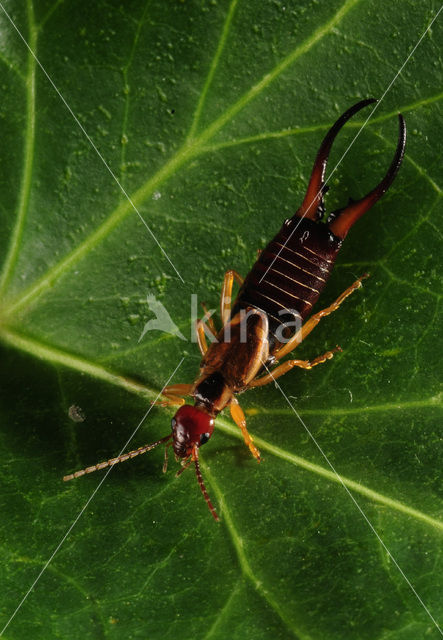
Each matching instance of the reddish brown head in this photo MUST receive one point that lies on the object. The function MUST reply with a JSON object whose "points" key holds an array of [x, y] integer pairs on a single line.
{"points": [[190, 427]]}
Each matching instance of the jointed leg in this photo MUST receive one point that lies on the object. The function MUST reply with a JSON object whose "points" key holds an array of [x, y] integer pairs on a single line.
{"points": [[200, 331], [225, 299], [225, 310], [208, 315], [315, 319], [239, 418], [201, 337], [200, 328], [172, 395], [288, 365], [180, 388]]}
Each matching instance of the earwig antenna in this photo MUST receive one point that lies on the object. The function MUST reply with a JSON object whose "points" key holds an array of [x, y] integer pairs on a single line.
{"points": [[202, 486], [113, 461], [165, 463]]}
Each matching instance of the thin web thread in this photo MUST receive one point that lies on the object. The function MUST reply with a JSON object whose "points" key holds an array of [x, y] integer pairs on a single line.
{"points": [[354, 139], [48, 562], [91, 142]]}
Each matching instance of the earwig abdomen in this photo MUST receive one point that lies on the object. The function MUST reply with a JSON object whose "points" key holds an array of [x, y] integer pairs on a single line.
{"points": [[289, 274]]}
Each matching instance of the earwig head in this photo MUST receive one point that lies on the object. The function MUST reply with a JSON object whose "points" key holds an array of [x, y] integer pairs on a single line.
{"points": [[190, 427], [341, 221]]}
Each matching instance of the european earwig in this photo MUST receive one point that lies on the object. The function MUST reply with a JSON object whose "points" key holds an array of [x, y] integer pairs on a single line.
{"points": [[287, 278]]}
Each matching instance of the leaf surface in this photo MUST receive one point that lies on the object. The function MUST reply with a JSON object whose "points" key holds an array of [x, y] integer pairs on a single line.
{"points": [[205, 117]]}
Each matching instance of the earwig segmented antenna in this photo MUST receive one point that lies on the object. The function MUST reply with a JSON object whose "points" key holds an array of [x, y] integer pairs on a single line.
{"points": [[110, 463], [202, 486], [148, 447]]}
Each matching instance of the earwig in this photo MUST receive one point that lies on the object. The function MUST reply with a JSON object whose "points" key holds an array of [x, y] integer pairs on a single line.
{"points": [[287, 278]]}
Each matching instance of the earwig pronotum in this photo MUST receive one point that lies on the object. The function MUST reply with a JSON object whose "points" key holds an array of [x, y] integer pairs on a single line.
{"points": [[288, 277]]}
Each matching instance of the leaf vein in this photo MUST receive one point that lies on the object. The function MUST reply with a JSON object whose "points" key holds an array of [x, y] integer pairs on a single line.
{"points": [[25, 189], [212, 68]]}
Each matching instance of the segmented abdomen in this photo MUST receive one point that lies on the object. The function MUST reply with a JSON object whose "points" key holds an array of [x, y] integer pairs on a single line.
{"points": [[290, 272]]}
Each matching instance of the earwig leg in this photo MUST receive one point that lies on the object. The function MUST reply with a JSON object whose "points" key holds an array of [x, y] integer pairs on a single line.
{"points": [[201, 337], [171, 395], [208, 315], [175, 389], [225, 298], [315, 319], [170, 401], [290, 364], [200, 328], [239, 418], [165, 462]]}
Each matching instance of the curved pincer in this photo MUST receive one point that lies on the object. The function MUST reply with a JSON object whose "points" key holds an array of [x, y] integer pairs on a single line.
{"points": [[339, 222]]}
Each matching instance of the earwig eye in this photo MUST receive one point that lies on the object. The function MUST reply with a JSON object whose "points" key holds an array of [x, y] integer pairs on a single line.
{"points": [[204, 438]]}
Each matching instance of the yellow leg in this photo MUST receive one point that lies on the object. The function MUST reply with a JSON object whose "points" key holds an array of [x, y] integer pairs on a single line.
{"points": [[201, 336], [225, 299], [170, 401], [211, 324], [180, 388], [290, 364], [171, 395], [315, 319], [239, 418], [200, 329]]}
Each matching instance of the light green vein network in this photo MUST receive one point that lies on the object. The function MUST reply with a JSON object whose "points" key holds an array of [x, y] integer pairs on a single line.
{"points": [[188, 151]]}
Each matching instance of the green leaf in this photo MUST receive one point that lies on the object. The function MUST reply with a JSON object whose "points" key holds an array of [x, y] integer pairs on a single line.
{"points": [[209, 115]]}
